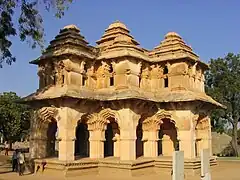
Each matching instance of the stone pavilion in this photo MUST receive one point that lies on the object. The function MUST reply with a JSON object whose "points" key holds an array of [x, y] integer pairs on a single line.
{"points": [[117, 107]]}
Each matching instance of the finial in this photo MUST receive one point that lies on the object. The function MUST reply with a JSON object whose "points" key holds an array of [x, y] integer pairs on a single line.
{"points": [[117, 24], [71, 26], [169, 34]]}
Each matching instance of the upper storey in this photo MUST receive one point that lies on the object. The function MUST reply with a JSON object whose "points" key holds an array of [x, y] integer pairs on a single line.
{"points": [[118, 68]]}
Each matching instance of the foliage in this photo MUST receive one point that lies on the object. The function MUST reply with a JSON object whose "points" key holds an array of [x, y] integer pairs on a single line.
{"points": [[29, 23], [223, 84], [14, 117]]}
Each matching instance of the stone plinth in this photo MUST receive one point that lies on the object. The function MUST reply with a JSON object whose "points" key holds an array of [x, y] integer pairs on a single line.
{"points": [[55, 167], [113, 166]]}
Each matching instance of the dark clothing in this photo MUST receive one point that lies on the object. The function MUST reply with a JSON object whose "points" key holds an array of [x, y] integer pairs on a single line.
{"points": [[14, 165], [6, 151]]}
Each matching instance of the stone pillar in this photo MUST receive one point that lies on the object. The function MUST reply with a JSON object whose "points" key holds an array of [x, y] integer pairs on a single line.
{"points": [[116, 145], [96, 141], [151, 144], [187, 143], [66, 133], [116, 148], [206, 140], [128, 123], [38, 140], [38, 148], [128, 144], [66, 144], [167, 146]]}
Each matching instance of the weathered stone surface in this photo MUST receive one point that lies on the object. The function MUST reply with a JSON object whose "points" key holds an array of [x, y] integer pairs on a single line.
{"points": [[119, 99]]}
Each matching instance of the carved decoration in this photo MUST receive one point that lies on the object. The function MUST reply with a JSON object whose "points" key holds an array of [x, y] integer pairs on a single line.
{"points": [[203, 123], [103, 70], [192, 70], [42, 76], [151, 123], [145, 73], [82, 67], [46, 114], [179, 69], [156, 71], [60, 72], [41, 71], [108, 113], [95, 123], [199, 74], [90, 71], [154, 122], [98, 121]]}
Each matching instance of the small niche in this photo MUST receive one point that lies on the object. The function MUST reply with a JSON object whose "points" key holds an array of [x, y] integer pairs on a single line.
{"points": [[165, 70], [54, 79], [45, 81], [84, 76], [63, 79], [84, 79], [140, 79], [111, 76], [165, 82]]}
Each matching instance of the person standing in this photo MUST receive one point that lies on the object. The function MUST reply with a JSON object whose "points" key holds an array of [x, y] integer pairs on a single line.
{"points": [[21, 162], [15, 161], [6, 148]]}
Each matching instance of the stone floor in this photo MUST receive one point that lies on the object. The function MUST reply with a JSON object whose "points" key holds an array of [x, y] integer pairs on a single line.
{"points": [[226, 169]]}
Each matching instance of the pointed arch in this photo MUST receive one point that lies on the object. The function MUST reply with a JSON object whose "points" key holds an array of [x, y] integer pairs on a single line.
{"points": [[156, 120], [108, 113], [46, 114]]}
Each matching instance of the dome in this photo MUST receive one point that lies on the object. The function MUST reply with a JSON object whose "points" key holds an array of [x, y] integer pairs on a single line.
{"points": [[117, 24], [71, 26], [170, 34]]}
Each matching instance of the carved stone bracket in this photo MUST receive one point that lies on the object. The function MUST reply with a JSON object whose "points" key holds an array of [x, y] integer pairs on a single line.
{"points": [[98, 121], [151, 123], [201, 122], [46, 114], [154, 122]]}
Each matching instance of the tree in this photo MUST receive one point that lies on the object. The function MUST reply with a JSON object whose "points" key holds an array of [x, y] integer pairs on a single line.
{"points": [[14, 117], [29, 23], [223, 84]]}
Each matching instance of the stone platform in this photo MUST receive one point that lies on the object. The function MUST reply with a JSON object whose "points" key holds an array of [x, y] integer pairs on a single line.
{"points": [[112, 166]]}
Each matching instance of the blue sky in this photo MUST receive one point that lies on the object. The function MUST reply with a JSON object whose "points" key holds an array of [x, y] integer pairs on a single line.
{"points": [[211, 28]]}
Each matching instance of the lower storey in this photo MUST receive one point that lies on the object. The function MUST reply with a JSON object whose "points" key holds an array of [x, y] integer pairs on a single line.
{"points": [[112, 166]]}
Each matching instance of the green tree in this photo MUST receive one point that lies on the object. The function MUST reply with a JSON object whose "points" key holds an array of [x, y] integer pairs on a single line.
{"points": [[14, 117], [29, 25], [223, 84]]}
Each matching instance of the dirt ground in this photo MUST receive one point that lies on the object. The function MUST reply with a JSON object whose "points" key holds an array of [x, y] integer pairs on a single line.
{"points": [[226, 169]]}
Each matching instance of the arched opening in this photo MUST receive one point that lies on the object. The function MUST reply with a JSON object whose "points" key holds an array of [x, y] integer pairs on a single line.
{"points": [[160, 142], [82, 140], [168, 141], [51, 138], [108, 144], [139, 142], [111, 135]]}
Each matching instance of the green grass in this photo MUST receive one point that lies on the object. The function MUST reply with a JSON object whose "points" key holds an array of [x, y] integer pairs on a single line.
{"points": [[229, 158]]}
